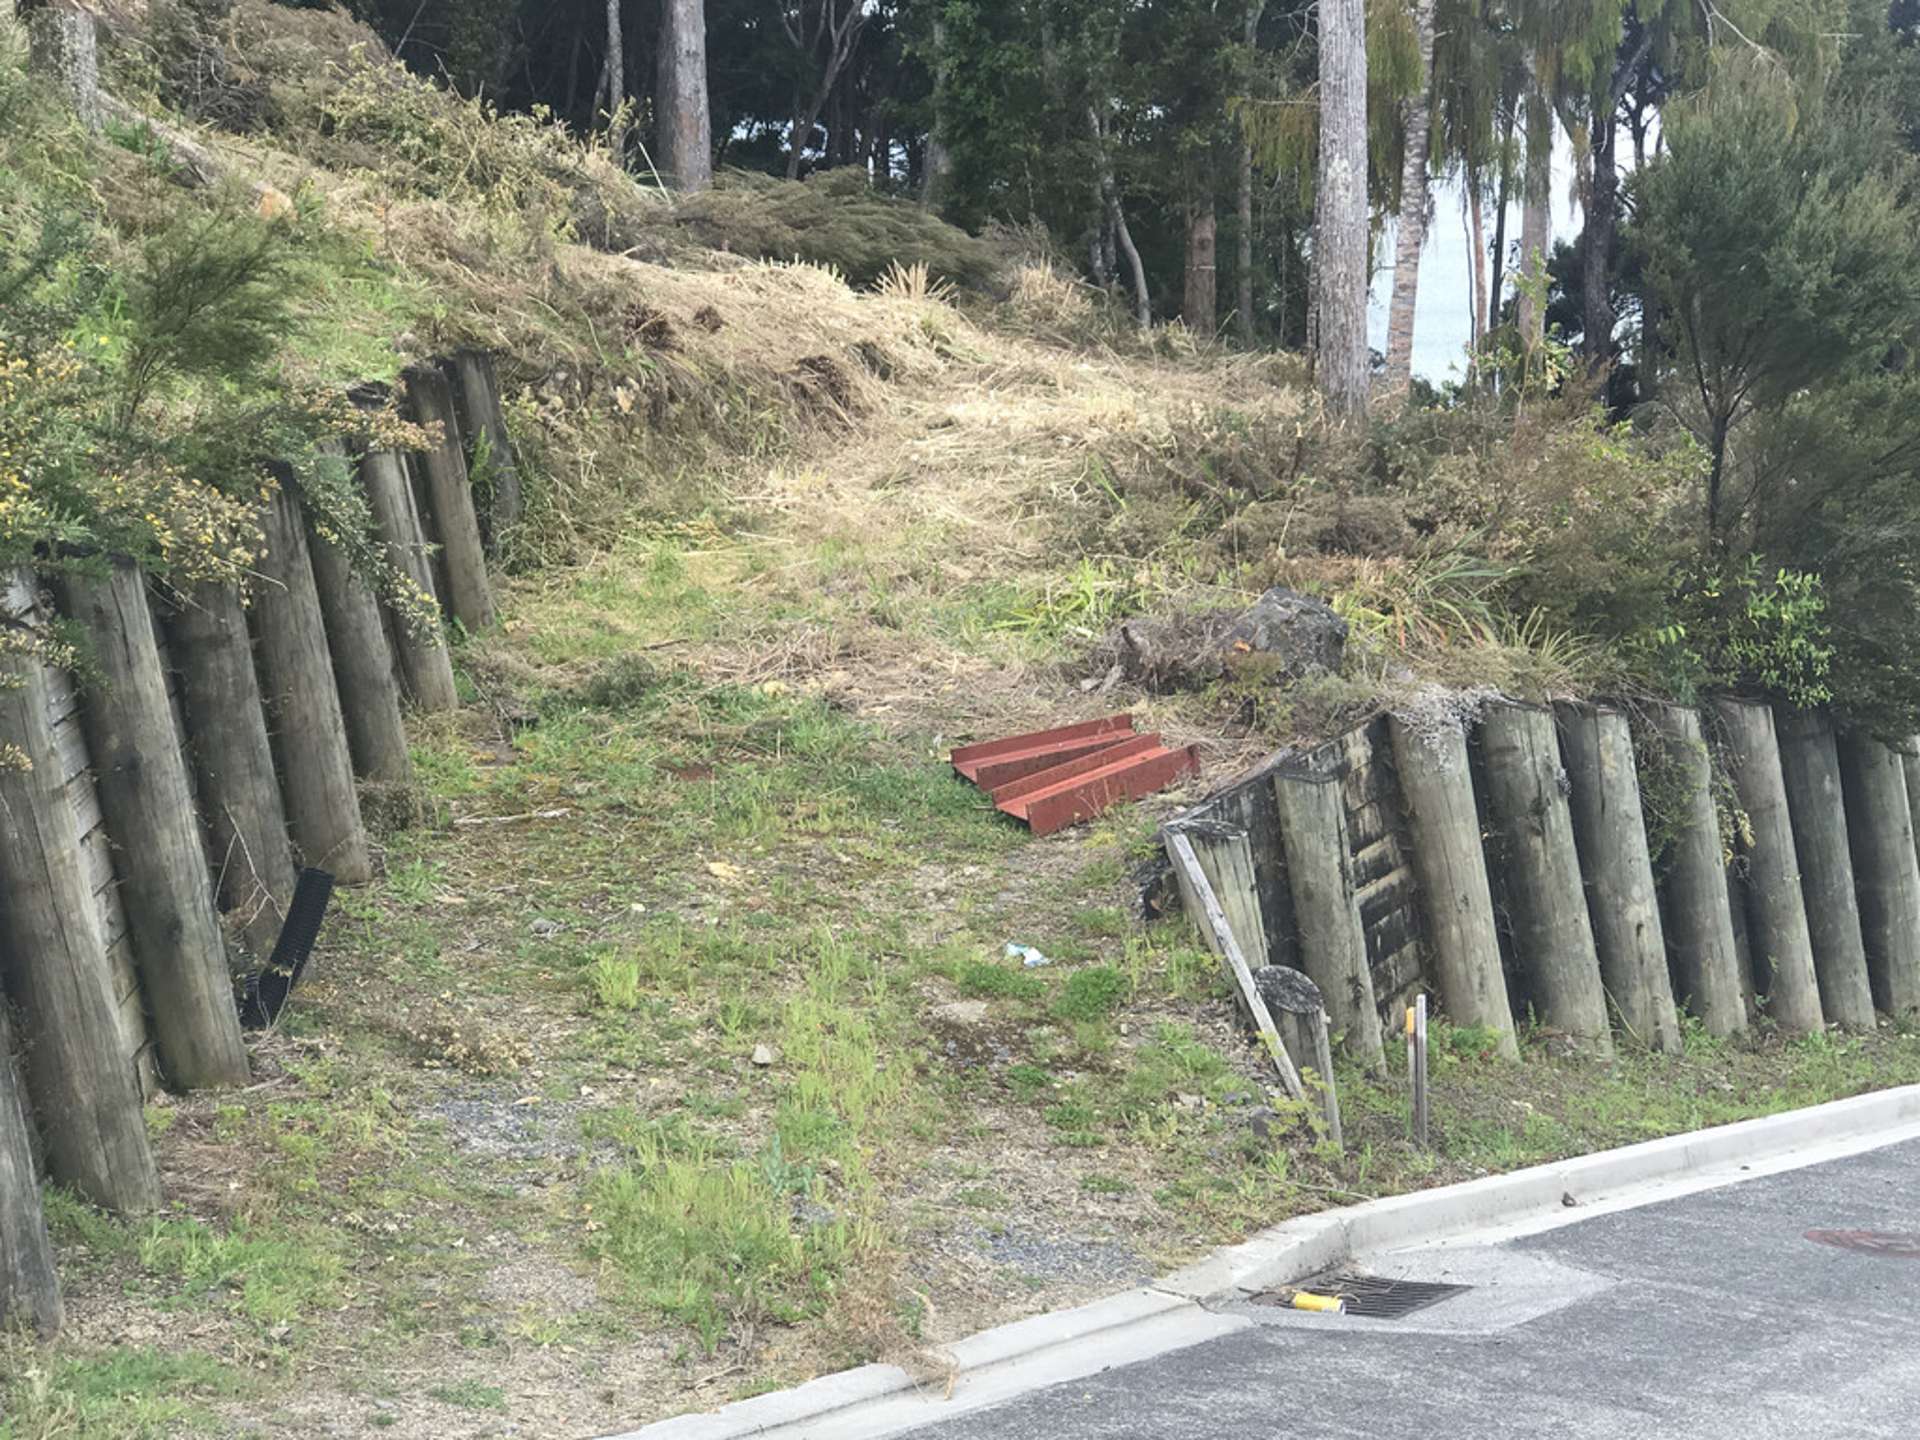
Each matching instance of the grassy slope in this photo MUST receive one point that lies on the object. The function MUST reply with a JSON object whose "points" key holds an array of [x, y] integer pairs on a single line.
{"points": [[516, 1157]]}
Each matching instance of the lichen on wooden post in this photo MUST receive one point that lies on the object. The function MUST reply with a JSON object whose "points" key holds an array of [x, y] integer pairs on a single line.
{"points": [[54, 964], [420, 645], [1880, 824], [1449, 862], [1777, 912], [1540, 870], [1816, 804], [161, 863], [1697, 919], [450, 492], [1623, 907], [297, 682], [1333, 946]]}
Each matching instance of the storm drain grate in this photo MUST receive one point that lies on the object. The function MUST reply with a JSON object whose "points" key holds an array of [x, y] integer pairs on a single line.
{"points": [[1371, 1296]]}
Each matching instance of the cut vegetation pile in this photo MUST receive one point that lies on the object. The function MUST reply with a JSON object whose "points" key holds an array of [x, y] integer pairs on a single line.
{"points": [[681, 1056]]}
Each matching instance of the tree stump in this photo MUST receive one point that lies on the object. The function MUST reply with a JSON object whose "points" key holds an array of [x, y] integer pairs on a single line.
{"points": [[296, 672], [1300, 1014], [1782, 948], [65, 48], [1333, 945], [1880, 824], [1816, 804], [1698, 919], [1449, 862], [1610, 832], [1553, 938], [145, 795]]}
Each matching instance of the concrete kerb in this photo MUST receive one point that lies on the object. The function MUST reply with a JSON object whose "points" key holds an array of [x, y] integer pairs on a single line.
{"points": [[1286, 1253]]}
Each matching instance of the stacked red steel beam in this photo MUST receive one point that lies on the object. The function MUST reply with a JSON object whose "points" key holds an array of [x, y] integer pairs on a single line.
{"points": [[1052, 778]]}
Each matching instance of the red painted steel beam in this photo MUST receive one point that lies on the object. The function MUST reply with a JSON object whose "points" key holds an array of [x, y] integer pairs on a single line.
{"points": [[1085, 796], [968, 758], [997, 770], [1056, 775]]}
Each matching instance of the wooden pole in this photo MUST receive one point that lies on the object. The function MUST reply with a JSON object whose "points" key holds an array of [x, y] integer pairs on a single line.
{"points": [[232, 761], [83, 1086], [420, 646], [1816, 804], [450, 493], [1333, 946], [1553, 939], [1622, 905], [1698, 920], [1777, 914], [362, 664], [1449, 862], [296, 674], [29, 1287], [1204, 908], [145, 795], [1300, 1015], [490, 461], [1880, 824]]}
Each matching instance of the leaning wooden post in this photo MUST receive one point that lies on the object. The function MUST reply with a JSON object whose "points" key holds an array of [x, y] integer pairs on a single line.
{"points": [[296, 672], [1333, 945], [470, 596], [29, 1286], [246, 821], [1610, 831], [1203, 907], [362, 662], [148, 803], [483, 423], [1698, 919], [419, 645], [1553, 939], [1777, 917], [1449, 862], [83, 1087], [1816, 803], [1880, 823]]}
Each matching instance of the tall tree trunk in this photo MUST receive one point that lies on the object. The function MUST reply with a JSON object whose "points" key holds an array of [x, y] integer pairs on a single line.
{"points": [[686, 134], [616, 85], [1501, 201], [1110, 197], [1243, 240], [1201, 304], [1476, 262], [1536, 221], [1597, 316], [939, 163], [65, 49], [1340, 206], [1411, 233]]}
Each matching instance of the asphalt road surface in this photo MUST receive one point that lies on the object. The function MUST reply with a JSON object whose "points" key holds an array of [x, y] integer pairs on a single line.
{"points": [[1707, 1317]]}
